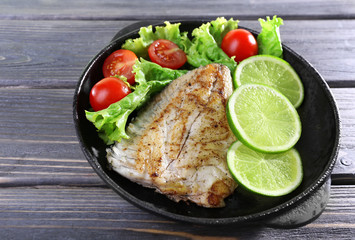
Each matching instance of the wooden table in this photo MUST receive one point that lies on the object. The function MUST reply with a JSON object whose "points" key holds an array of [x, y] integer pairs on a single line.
{"points": [[47, 188]]}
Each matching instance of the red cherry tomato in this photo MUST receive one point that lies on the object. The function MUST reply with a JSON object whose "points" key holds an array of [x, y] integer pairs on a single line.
{"points": [[239, 43], [120, 62], [107, 91], [167, 54]]}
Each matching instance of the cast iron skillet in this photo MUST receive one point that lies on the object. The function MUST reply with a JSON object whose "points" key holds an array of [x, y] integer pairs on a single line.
{"points": [[318, 147]]}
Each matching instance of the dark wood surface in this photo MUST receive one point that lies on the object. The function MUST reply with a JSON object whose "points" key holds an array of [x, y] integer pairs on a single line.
{"points": [[47, 188], [174, 9]]}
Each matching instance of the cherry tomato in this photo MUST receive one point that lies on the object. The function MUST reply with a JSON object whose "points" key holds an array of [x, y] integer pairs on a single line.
{"points": [[107, 91], [120, 62], [167, 54], [239, 43]]}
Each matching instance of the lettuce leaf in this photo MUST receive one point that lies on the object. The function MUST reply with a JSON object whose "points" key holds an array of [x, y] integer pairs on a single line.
{"points": [[205, 47], [111, 122], [147, 71], [269, 40], [147, 36], [202, 50], [220, 27]]}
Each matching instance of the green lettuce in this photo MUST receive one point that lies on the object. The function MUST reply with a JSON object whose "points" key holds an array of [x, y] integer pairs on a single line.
{"points": [[205, 47], [147, 36], [147, 71], [111, 122], [202, 50], [269, 40], [220, 27]]}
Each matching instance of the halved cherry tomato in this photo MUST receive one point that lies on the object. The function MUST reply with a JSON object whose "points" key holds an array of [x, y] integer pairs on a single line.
{"points": [[107, 91], [167, 54], [239, 43], [120, 62]]}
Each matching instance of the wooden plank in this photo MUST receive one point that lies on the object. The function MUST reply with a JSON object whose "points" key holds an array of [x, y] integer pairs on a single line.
{"points": [[156, 9], [50, 54], [53, 54], [37, 138], [344, 171], [98, 213]]}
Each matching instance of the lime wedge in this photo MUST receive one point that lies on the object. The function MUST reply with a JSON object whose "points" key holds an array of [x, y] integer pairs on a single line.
{"points": [[272, 71], [265, 173], [263, 118]]}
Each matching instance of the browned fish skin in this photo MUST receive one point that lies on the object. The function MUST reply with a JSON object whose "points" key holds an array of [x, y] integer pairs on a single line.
{"points": [[179, 143]]}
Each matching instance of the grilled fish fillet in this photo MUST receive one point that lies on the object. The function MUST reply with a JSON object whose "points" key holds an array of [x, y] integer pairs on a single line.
{"points": [[178, 143]]}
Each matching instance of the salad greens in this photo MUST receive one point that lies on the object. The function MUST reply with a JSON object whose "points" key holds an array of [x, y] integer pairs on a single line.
{"points": [[269, 40], [151, 78], [169, 32], [220, 27], [147, 71], [203, 49]]}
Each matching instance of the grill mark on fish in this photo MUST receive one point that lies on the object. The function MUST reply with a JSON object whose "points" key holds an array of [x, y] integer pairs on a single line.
{"points": [[189, 130]]}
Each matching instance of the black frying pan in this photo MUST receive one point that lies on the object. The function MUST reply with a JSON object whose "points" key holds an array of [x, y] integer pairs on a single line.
{"points": [[318, 147]]}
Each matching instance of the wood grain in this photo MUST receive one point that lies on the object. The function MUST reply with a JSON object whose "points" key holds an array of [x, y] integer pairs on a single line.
{"points": [[53, 54], [37, 138], [169, 9], [98, 213], [47, 188], [38, 144]]}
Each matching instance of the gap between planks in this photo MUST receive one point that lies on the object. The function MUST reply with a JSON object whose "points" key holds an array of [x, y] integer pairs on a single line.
{"points": [[207, 17]]}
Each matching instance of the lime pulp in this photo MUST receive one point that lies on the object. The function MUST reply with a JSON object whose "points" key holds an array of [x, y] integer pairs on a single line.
{"points": [[264, 173]]}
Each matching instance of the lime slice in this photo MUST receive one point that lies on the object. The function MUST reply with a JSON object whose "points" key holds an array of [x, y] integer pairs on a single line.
{"points": [[263, 118], [265, 173], [272, 71]]}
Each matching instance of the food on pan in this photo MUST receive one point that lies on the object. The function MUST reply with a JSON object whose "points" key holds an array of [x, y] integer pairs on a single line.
{"points": [[170, 131]]}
